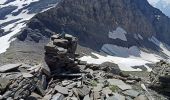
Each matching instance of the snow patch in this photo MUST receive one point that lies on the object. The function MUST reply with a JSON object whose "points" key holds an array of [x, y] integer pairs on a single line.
{"points": [[119, 33], [140, 36], [125, 64], [161, 45], [5, 40]]}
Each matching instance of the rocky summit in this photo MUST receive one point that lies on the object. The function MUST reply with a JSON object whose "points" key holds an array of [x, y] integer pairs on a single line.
{"points": [[83, 50], [68, 78]]}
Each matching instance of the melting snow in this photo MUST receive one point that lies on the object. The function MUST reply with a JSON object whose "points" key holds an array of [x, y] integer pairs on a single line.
{"points": [[126, 58], [161, 45], [5, 40], [119, 33], [125, 64]]}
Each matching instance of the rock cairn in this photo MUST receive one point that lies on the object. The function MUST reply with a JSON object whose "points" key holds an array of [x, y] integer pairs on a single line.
{"points": [[60, 52], [160, 78]]}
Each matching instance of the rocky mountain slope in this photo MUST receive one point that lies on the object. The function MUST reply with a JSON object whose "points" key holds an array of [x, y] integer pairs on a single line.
{"points": [[15, 13], [93, 20]]}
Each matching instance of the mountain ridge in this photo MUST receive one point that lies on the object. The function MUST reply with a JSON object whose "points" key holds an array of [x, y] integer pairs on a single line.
{"points": [[91, 21]]}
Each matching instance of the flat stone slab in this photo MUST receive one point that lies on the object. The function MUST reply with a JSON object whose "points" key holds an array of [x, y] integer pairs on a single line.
{"points": [[27, 75], [57, 96], [119, 83], [61, 89], [131, 93], [83, 91], [9, 67], [116, 97]]}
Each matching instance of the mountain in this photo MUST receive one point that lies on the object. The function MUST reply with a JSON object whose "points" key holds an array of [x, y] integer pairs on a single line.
{"points": [[129, 32], [15, 13], [120, 22]]}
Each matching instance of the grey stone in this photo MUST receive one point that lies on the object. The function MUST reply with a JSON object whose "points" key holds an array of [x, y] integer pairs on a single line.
{"points": [[83, 91], [44, 82], [57, 96], [9, 67], [116, 97], [68, 37], [61, 89], [119, 97], [10, 98], [4, 82], [47, 97], [141, 97], [60, 42], [87, 97], [106, 91], [65, 82], [96, 95], [129, 98], [74, 98], [98, 87], [56, 36], [119, 83], [6, 94], [27, 75], [131, 93]]}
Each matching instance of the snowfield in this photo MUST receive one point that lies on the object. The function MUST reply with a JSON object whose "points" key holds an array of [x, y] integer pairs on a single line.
{"points": [[125, 64]]}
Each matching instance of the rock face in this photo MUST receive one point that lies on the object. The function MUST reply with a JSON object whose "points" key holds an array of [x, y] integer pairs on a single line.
{"points": [[92, 20]]}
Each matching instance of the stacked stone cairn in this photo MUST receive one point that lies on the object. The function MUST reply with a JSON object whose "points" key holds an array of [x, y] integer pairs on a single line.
{"points": [[160, 78], [60, 52]]}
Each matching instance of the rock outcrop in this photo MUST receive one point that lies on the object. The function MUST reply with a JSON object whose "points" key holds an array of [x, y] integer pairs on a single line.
{"points": [[70, 78]]}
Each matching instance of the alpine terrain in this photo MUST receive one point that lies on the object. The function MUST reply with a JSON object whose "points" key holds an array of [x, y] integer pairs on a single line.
{"points": [[84, 49]]}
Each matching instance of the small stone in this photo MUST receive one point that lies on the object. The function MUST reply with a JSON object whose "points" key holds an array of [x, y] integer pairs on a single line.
{"points": [[35, 95], [131, 93], [73, 98], [61, 89], [106, 91], [10, 98], [119, 83], [87, 97], [27, 75], [83, 91], [119, 97], [47, 97], [56, 36], [70, 94], [44, 82], [4, 83], [141, 97], [129, 98], [116, 97], [96, 95], [131, 81], [98, 87], [65, 82], [68, 37], [57, 96], [9, 67]]}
